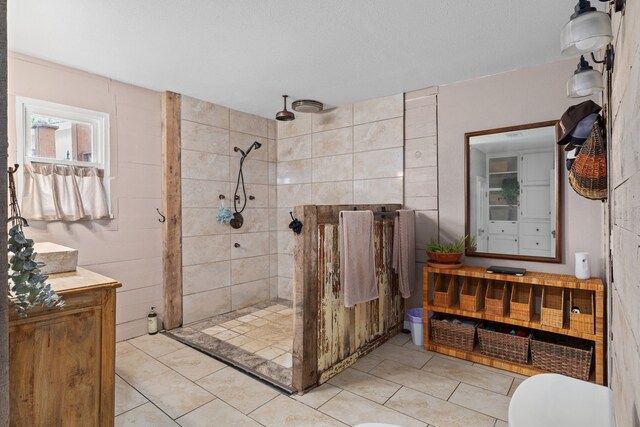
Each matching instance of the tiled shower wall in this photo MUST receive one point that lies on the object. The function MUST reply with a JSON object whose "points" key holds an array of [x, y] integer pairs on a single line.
{"points": [[217, 276], [421, 173], [350, 154]]}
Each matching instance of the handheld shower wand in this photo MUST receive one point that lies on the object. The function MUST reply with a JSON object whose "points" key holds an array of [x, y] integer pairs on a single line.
{"points": [[255, 145], [237, 220]]}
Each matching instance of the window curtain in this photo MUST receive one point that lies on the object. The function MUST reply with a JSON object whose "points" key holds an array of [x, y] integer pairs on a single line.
{"points": [[63, 193]]}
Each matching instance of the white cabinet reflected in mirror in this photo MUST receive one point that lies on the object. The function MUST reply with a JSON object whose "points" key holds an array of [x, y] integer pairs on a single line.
{"points": [[512, 191]]}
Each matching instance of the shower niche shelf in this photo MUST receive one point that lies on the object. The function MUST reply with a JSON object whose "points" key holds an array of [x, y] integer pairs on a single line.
{"points": [[590, 289]]}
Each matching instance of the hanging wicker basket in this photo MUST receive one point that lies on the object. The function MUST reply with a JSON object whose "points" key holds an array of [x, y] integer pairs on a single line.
{"points": [[588, 174]]}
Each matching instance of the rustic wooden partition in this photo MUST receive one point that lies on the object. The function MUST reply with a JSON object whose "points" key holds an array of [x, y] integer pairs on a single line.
{"points": [[328, 337]]}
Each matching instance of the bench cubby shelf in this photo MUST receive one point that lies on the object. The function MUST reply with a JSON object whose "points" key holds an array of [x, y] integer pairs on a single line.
{"points": [[538, 280]]}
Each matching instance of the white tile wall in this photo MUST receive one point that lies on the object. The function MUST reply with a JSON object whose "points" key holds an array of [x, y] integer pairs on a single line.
{"points": [[421, 173], [351, 154], [217, 276]]}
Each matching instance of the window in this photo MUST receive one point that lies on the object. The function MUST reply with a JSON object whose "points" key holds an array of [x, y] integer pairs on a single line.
{"points": [[56, 140], [60, 134]]}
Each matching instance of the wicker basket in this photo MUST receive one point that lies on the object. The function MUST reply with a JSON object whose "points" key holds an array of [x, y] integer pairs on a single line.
{"points": [[472, 294], [521, 304], [504, 346], [552, 308], [567, 357], [585, 320], [445, 293], [588, 174], [495, 301], [452, 335]]}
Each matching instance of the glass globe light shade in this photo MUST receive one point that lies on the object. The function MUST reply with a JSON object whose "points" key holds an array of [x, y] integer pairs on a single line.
{"points": [[584, 83], [587, 32]]}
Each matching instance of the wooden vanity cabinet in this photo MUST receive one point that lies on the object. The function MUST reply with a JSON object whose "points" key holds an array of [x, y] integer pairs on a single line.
{"points": [[62, 362]]}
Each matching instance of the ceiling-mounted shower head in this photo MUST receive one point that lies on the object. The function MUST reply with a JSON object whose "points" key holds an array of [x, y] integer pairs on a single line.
{"points": [[307, 106], [285, 115]]}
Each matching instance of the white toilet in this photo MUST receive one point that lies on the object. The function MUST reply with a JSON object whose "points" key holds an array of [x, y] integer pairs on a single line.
{"points": [[556, 400]]}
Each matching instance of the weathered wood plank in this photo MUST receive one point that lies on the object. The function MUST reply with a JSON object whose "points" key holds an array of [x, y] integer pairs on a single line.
{"points": [[305, 300], [344, 332], [326, 333], [171, 206]]}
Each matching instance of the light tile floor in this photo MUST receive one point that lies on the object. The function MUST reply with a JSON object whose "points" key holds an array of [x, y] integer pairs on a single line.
{"points": [[161, 382]]}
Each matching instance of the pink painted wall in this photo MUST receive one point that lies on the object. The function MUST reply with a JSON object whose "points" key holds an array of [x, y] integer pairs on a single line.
{"points": [[127, 248], [528, 95]]}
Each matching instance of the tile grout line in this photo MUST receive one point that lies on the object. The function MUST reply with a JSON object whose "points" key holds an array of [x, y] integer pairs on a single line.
{"points": [[172, 369], [333, 397], [259, 406], [375, 403], [139, 392], [455, 404], [407, 386], [453, 392], [411, 388], [206, 403]]}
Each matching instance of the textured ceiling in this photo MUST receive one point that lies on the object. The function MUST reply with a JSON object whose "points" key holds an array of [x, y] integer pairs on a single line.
{"points": [[246, 53]]}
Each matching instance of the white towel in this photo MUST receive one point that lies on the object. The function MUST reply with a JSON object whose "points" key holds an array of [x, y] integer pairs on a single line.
{"points": [[404, 250], [357, 257]]}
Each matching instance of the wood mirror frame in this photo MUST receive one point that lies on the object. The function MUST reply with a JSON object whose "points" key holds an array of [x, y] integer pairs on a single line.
{"points": [[558, 196]]}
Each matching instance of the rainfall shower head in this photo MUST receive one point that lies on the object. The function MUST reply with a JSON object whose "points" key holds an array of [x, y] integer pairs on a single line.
{"points": [[255, 145], [285, 115]]}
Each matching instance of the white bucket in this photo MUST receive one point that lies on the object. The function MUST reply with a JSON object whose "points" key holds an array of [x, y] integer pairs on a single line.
{"points": [[417, 327]]}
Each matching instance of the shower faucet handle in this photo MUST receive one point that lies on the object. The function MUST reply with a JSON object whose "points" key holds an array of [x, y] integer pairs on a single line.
{"points": [[252, 197], [236, 245]]}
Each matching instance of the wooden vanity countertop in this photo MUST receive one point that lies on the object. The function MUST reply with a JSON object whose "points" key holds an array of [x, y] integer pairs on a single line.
{"points": [[80, 280]]}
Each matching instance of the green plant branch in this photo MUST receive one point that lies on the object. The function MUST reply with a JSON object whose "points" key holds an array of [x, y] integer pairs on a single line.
{"points": [[451, 248], [29, 283]]}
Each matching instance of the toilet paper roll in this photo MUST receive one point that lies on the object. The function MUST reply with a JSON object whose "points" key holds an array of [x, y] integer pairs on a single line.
{"points": [[582, 265]]}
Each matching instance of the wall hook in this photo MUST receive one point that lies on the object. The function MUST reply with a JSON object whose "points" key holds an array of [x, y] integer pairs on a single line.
{"points": [[221, 197], [295, 225], [163, 219]]}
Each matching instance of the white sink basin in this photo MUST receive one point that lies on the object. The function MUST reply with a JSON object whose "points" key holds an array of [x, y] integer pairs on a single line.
{"points": [[59, 259]]}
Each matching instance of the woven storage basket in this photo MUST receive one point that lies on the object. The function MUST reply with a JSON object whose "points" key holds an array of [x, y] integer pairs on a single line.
{"points": [[495, 301], [445, 290], [472, 294], [588, 174], [504, 346], [585, 320], [521, 304], [552, 308], [566, 356], [459, 336]]}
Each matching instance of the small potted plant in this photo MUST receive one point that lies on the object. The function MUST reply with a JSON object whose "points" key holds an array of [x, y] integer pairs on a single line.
{"points": [[448, 254]]}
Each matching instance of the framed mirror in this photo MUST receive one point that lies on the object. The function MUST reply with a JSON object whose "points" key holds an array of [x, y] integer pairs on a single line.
{"points": [[512, 192]]}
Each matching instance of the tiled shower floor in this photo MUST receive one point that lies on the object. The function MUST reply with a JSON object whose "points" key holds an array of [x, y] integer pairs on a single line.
{"points": [[258, 339]]}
